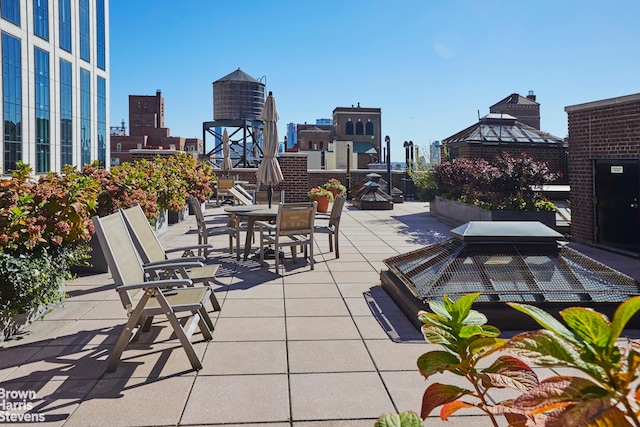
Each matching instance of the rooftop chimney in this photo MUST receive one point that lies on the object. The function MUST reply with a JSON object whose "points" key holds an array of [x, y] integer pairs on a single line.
{"points": [[531, 96]]}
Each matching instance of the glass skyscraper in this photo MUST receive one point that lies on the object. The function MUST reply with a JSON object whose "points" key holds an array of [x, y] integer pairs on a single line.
{"points": [[59, 116]]}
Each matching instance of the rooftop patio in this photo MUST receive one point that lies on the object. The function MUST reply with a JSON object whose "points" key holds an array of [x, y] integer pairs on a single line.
{"points": [[322, 347]]}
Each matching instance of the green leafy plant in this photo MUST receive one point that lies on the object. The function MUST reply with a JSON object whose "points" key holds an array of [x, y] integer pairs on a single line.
{"points": [[403, 419], [468, 341], [425, 182], [607, 393], [319, 192]]}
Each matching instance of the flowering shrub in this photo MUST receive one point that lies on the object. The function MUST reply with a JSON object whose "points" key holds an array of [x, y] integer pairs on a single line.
{"points": [[336, 186], [163, 183], [319, 192], [38, 216], [45, 225], [507, 183]]}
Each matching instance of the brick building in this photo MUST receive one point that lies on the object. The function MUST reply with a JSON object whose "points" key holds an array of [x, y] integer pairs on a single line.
{"points": [[147, 132], [525, 109], [358, 125], [495, 133], [604, 170]]}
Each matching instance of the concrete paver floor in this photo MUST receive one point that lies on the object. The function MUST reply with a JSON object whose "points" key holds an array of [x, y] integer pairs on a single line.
{"points": [[301, 349]]}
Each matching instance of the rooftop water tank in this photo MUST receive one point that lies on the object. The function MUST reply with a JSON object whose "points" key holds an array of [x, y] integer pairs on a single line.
{"points": [[237, 96]]}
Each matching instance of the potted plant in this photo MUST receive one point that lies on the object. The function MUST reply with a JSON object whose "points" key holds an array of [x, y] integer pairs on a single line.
{"points": [[335, 187], [322, 196], [45, 225]]}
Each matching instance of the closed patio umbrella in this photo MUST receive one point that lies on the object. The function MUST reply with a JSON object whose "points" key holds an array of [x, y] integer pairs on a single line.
{"points": [[226, 154], [269, 172]]}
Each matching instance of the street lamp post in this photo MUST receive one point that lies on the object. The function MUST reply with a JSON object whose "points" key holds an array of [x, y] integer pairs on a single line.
{"points": [[348, 171], [388, 160], [406, 155], [411, 150]]}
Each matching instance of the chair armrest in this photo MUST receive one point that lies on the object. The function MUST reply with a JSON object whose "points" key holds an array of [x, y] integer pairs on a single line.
{"points": [[186, 262], [186, 248], [263, 224], [172, 265], [160, 284]]}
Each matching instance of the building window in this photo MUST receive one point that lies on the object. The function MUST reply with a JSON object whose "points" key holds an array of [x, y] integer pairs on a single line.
{"points": [[11, 100], [149, 123], [43, 110], [369, 128], [321, 145], [310, 145], [64, 22], [348, 128], [85, 37], [11, 10], [359, 128], [101, 35], [136, 122], [66, 113], [41, 18], [119, 147], [85, 116], [102, 121]]}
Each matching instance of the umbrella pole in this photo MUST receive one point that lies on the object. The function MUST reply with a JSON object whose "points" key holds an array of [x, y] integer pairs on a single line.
{"points": [[269, 195]]}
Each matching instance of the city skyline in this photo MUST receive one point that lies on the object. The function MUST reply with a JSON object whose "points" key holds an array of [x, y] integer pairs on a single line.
{"points": [[432, 67]]}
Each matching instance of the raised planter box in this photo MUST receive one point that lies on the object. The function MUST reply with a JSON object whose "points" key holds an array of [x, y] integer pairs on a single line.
{"points": [[456, 213], [162, 222], [175, 217]]}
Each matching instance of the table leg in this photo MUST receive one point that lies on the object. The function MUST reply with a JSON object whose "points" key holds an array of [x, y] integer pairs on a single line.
{"points": [[247, 243]]}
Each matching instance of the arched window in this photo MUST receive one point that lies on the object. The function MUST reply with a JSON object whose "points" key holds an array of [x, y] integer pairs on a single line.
{"points": [[369, 128], [359, 128], [321, 145], [348, 128], [310, 145]]}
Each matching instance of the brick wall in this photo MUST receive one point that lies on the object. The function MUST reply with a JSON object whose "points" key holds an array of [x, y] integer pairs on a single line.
{"points": [[607, 129], [298, 180]]}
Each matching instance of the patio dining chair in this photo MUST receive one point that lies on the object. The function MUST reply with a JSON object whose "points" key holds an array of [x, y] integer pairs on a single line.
{"points": [[143, 298], [293, 227], [153, 254], [222, 189], [333, 227], [206, 229], [262, 198]]}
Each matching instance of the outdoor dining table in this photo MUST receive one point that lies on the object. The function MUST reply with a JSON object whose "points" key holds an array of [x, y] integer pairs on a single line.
{"points": [[253, 213]]}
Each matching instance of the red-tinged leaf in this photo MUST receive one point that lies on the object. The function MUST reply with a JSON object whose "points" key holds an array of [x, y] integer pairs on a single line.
{"points": [[588, 324], [589, 413], [449, 409], [510, 372], [478, 351], [517, 420], [547, 349], [557, 390], [623, 314], [439, 394], [436, 362], [637, 395]]}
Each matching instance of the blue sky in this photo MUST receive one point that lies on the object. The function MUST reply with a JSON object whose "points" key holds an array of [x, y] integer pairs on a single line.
{"points": [[430, 65]]}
